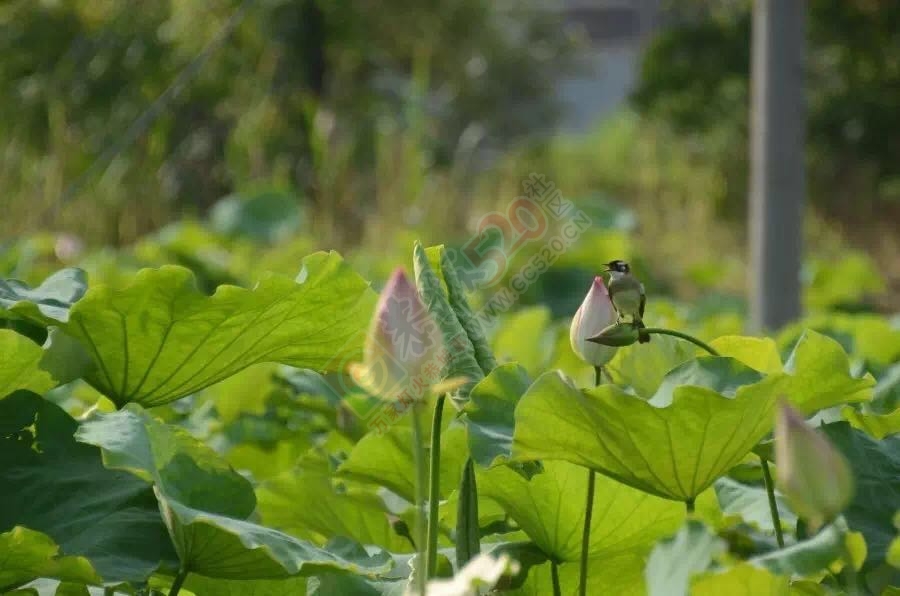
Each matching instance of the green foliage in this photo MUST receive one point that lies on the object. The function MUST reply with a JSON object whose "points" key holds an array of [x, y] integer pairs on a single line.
{"points": [[26, 555], [63, 490], [695, 78], [160, 339], [127, 495]]}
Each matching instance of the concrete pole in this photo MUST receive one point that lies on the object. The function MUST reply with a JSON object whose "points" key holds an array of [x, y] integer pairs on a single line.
{"points": [[777, 168]]}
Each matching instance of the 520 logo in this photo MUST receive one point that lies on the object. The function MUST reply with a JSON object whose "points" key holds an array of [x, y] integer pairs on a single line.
{"points": [[481, 263]]}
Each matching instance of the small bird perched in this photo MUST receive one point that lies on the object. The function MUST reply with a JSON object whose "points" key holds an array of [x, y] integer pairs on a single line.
{"points": [[627, 294]]}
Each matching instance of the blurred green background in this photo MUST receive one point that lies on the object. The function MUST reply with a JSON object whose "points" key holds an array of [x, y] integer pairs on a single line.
{"points": [[236, 137]]}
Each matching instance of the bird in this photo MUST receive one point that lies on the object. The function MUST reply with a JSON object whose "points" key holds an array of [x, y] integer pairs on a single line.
{"points": [[627, 294]]}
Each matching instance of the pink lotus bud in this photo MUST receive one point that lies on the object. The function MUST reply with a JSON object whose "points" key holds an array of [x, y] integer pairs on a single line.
{"points": [[594, 315], [812, 474], [403, 352]]}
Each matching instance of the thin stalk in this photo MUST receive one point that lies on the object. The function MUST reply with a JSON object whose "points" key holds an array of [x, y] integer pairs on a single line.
{"points": [[773, 505], [689, 506], [588, 512], [434, 487], [554, 575], [684, 336], [586, 536], [421, 478], [179, 581]]}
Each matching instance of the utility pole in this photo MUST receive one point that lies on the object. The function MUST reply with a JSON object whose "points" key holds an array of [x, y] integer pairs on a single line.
{"points": [[777, 168]]}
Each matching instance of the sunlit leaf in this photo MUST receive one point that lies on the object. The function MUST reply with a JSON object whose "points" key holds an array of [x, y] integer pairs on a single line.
{"points": [[303, 502], [26, 555], [759, 353], [620, 575], [525, 337], [740, 580], [625, 519], [675, 450], [26, 365], [159, 338], [387, 459], [820, 375], [643, 366]]}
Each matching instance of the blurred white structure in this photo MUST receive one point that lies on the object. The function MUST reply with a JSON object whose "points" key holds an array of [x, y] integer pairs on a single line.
{"points": [[615, 32]]}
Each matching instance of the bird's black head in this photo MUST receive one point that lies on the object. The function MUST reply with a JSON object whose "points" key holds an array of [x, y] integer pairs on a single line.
{"points": [[618, 265]]}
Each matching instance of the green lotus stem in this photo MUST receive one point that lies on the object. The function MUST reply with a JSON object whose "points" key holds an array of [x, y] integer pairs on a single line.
{"points": [[419, 457], [554, 575], [689, 506], [434, 487], [773, 505], [179, 581], [588, 511], [684, 336]]}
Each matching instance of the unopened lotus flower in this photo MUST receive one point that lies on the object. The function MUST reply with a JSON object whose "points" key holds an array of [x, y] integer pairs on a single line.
{"points": [[594, 315], [812, 473], [403, 349]]}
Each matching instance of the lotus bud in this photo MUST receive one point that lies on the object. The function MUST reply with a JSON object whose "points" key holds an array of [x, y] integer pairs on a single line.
{"points": [[403, 352], [618, 335], [812, 473], [594, 315]]}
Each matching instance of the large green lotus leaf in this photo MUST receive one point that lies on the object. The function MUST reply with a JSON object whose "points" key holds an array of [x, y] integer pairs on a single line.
{"points": [[876, 470], [741, 580], [624, 519], [692, 550], [675, 451], [46, 304], [526, 337], [183, 467], [160, 339], [387, 459], [621, 575], [643, 366], [820, 375], [223, 547], [60, 487], [462, 361], [26, 555], [26, 365], [303, 502], [491, 413]]}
